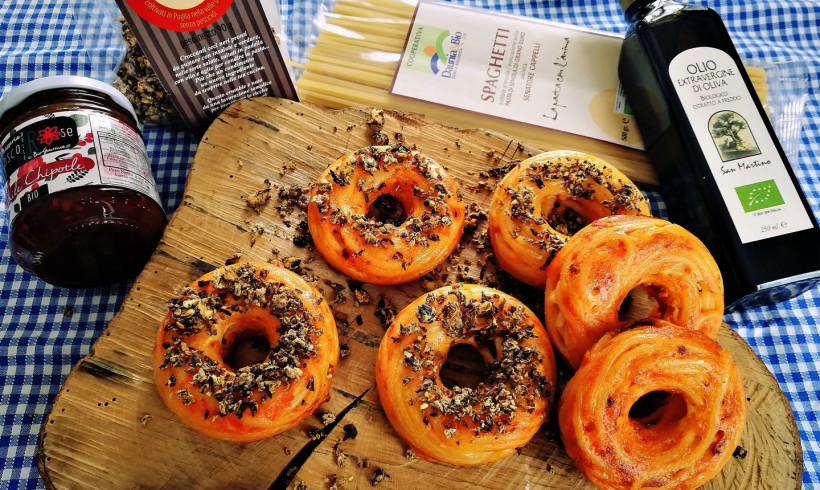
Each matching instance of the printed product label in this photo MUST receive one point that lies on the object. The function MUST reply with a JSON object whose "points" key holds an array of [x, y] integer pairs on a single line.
{"points": [[209, 54], [753, 181], [58, 151], [180, 15], [541, 73]]}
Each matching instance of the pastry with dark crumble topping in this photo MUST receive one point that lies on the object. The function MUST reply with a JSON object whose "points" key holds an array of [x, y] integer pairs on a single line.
{"points": [[463, 425], [246, 352], [545, 199], [385, 214]]}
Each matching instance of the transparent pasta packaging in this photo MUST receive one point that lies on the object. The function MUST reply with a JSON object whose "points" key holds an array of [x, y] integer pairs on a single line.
{"points": [[357, 47]]}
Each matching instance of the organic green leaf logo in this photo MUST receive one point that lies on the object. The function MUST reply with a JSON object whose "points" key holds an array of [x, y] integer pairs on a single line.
{"points": [[433, 50], [762, 195]]}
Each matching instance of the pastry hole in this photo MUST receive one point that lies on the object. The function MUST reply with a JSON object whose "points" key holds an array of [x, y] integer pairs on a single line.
{"points": [[564, 219], [387, 209], [246, 347], [658, 408], [464, 367], [641, 304]]}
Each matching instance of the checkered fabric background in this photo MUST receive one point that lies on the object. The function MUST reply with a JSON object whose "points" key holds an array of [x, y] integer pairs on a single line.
{"points": [[44, 330]]}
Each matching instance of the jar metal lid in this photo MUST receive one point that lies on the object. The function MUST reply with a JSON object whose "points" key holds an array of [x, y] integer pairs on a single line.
{"points": [[18, 94]]}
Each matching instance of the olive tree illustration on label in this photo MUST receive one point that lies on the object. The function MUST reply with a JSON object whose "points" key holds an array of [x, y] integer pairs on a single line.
{"points": [[732, 136]]}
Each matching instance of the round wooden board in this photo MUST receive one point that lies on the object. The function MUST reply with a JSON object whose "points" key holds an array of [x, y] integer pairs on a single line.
{"points": [[109, 429]]}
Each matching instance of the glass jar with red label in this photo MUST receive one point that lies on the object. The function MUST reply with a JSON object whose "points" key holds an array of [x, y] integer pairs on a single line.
{"points": [[82, 203]]}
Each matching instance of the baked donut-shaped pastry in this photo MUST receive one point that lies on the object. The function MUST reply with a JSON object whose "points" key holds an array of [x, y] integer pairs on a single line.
{"points": [[656, 406], [357, 237], [466, 426], [545, 199], [209, 329], [595, 279]]}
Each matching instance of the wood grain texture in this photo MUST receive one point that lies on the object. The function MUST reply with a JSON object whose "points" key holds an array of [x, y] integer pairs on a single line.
{"points": [[109, 429]]}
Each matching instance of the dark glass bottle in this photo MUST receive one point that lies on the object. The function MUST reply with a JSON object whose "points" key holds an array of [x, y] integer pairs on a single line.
{"points": [[723, 173]]}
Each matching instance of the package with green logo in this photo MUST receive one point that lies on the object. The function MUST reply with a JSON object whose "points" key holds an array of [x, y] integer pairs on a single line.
{"points": [[549, 84], [542, 73], [552, 85]]}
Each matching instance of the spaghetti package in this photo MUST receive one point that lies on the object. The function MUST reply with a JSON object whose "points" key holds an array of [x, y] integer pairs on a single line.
{"points": [[552, 85]]}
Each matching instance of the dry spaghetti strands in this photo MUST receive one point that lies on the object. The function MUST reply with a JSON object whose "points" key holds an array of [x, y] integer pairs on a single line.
{"points": [[653, 407]]}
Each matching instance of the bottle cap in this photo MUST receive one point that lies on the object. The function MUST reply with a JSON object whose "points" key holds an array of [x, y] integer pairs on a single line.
{"points": [[18, 94]]}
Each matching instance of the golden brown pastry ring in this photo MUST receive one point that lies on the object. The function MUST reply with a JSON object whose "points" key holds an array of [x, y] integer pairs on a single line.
{"points": [[214, 314], [591, 277], [546, 198], [369, 250], [466, 426], [681, 440]]}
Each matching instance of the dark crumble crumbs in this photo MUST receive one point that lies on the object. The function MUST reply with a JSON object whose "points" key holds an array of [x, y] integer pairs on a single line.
{"points": [[339, 454], [350, 431], [379, 476], [235, 290], [233, 259], [340, 294], [292, 199], [137, 80], [303, 238], [291, 263], [376, 117], [740, 453], [360, 297], [500, 171], [410, 455], [315, 434], [256, 232], [287, 168], [385, 312], [379, 138], [327, 418], [300, 485], [474, 215], [344, 350], [259, 199]]}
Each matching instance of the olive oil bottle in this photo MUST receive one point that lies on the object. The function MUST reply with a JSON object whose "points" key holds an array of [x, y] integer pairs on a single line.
{"points": [[723, 173]]}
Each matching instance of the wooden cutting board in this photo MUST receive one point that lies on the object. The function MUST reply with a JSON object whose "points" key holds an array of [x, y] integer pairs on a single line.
{"points": [[109, 429]]}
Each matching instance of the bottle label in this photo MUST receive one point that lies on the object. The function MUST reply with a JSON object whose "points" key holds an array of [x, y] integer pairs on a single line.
{"points": [[759, 193], [67, 149]]}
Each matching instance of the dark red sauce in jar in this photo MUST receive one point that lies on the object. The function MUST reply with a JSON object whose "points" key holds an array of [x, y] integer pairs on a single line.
{"points": [[82, 202]]}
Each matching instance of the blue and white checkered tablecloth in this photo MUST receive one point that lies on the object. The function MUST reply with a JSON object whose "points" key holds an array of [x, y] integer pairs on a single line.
{"points": [[44, 330]]}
